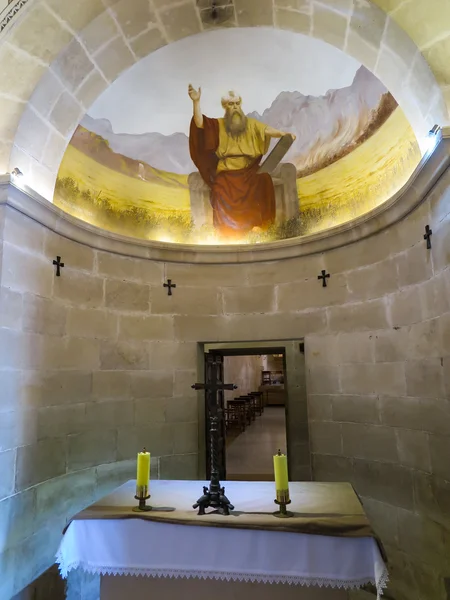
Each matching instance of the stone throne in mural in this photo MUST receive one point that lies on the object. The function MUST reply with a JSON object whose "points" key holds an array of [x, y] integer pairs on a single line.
{"points": [[284, 177]]}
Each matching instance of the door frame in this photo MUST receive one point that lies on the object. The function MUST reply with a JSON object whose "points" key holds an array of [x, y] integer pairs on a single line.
{"points": [[297, 431]]}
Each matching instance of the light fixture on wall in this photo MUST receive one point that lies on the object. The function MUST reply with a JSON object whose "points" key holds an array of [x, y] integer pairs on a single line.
{"points": [[217, 12], [19, 179], [432, 139], [434, 130]]}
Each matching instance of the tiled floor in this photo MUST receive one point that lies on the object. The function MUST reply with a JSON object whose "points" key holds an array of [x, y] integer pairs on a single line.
{"points": [[250, 455]]}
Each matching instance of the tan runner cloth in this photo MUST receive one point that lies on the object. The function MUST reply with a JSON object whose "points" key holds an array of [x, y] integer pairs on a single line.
{"points": [[319, 508]]}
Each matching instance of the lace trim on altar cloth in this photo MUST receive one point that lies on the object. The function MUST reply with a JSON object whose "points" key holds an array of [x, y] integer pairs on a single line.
{"points": [[65, 568]]}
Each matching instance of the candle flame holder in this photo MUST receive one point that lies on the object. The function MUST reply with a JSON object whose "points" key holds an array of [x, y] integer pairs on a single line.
{"points": [[282, 500], [142, 496]]}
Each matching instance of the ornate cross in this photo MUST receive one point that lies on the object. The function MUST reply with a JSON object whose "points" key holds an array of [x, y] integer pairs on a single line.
{"points": [[214, 387], [169, 285], [427, 236], [214, 497], [324, 277], [58, 264]]}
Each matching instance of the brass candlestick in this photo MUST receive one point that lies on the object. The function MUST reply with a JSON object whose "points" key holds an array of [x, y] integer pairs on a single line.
{"points": [[142, 495], [282, 500]]}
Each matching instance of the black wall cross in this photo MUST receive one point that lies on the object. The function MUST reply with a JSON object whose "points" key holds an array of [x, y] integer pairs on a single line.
{"points": [[58, 264], [169, 285], [427, 236], [324, 278]]}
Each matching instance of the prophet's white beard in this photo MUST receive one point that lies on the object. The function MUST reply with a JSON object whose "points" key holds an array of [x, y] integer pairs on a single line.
{"points": [[235, 123]]}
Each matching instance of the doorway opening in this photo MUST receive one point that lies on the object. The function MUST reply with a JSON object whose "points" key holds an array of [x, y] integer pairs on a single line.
{"points": [[271, 375], [255, 414]]}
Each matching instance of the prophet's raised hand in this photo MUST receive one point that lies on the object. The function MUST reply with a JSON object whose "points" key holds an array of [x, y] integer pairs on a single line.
{"points": [[194, 94]]}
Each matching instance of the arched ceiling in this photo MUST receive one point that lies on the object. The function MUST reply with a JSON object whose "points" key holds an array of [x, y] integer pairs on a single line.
{"points": [[59, 55], [428, 25]]}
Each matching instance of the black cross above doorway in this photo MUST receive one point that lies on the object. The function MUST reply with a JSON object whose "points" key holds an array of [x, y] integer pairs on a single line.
{"points": [[427, 236], [324, 277], [58, 264], [169, 285]]}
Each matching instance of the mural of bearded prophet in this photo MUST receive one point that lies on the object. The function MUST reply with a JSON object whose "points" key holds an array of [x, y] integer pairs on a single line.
{"points": [[227, 152]]}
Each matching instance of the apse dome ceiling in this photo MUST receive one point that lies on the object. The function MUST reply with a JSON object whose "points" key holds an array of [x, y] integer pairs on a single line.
{"points": [[279, 136]]}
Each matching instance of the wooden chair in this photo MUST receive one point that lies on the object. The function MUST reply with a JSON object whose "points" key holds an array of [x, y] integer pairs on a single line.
{"points": [[234, 418], [253, 405], [240, 405], [250, 407], [259, 402]]}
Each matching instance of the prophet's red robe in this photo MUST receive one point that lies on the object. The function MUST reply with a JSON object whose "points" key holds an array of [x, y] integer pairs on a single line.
{"points": [[240, 197]]}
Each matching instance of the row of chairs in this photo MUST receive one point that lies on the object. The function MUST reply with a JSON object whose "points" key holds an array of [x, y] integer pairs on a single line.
{"points": [[243, 410]]}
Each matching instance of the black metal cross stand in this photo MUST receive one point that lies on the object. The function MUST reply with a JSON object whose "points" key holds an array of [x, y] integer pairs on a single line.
{"points": [[324, 277], [58, 264], [214, 497], [169, 285], [427, 236]]}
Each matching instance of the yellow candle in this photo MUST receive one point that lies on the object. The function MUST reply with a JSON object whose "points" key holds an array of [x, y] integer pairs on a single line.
{"points": [[143, 468], [281, 471]]}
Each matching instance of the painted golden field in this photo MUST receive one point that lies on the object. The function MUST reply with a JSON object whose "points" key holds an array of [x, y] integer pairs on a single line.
{"points": [[124, 191], [128, 205], [362, 180]]}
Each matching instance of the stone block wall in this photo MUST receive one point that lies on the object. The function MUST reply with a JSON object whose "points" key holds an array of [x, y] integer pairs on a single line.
{"points": [[379, 394], [99, 362], [2, 222], [74, 407]]}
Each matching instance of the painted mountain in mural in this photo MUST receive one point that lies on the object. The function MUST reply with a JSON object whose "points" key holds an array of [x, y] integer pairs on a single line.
{"points": [[327, 127], [97, 147], [164, 152]]}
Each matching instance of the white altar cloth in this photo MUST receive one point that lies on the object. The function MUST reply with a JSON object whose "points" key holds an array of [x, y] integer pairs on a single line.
{"points": [[149, 548]]}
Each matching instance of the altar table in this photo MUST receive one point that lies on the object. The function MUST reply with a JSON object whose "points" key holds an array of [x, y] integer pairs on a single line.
{"points": [[170, 553]]}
